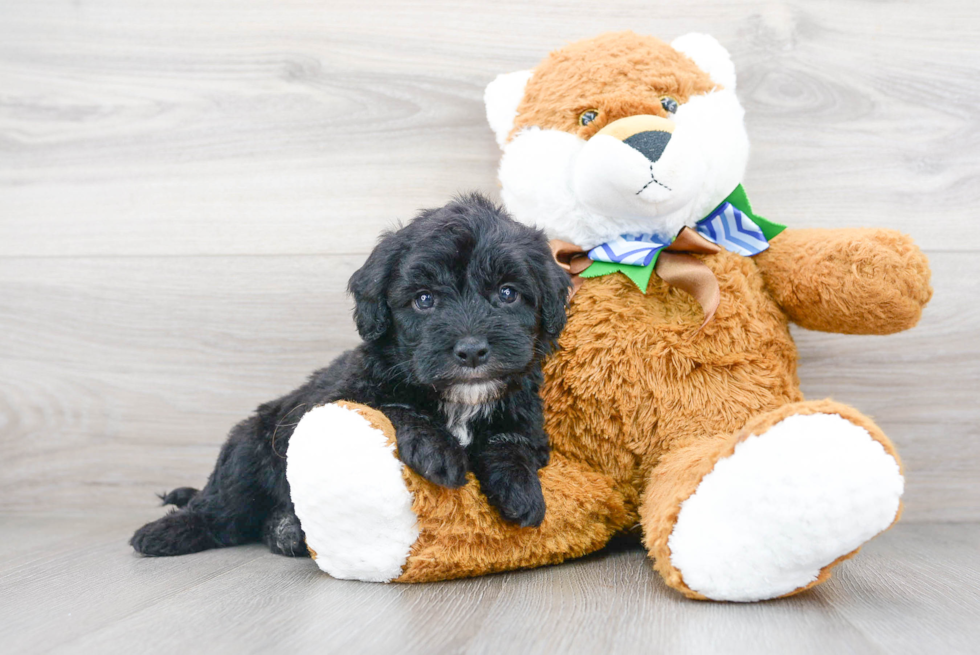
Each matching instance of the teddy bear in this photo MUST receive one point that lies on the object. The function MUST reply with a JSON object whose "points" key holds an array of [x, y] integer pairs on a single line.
{"points": [[672, 404]]}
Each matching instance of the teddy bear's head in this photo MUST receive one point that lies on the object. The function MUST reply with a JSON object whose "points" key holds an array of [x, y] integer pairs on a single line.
{"points": [[619, 134]]}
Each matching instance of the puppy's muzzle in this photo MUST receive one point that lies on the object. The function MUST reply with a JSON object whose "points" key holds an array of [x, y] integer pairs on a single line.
{"points": [[471, 352], [647, 134]]}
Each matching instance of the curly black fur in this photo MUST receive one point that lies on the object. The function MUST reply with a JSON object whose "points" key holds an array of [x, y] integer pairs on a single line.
{"points": [[459, 380]]}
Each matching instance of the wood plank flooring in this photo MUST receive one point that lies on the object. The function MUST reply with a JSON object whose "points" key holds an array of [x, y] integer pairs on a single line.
{"points": [[915, 589]]}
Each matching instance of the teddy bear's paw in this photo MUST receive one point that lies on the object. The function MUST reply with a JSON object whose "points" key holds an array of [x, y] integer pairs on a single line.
{"points": [[783, 508], [347, 488]]}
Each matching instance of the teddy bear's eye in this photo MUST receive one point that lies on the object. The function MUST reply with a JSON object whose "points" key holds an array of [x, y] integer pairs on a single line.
{"points": [[588, 116], [669, 105]]}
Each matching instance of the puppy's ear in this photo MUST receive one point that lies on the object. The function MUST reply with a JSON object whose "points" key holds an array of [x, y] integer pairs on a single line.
{"points": [[369, 286], [555, 286]]}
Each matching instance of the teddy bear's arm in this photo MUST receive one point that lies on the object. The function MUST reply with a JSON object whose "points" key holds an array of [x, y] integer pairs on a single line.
{"points": [[849, 280]]}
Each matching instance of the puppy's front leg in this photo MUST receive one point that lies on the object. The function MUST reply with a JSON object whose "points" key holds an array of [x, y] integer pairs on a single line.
{"points": [[427, 448], [507, 469]]}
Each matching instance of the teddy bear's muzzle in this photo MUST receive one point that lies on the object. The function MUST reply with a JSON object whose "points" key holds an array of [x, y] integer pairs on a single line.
{"points": [[640, 167], [647, 134]]}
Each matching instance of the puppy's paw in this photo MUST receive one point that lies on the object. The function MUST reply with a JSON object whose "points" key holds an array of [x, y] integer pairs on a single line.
{"points": [[437, 458], [448, 469], [284, 536], [517, 496]]}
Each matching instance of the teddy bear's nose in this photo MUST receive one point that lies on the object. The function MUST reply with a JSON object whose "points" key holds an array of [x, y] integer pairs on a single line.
{"points": [[645, 133], [650, 144]]}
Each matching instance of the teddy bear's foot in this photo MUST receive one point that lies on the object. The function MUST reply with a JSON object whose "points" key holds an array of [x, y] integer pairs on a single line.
{"points": [[349, 494], [368, 517], [795, 493]]}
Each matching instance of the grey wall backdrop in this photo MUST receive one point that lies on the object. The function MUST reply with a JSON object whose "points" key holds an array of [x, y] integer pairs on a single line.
{"points": [[185, 188]]}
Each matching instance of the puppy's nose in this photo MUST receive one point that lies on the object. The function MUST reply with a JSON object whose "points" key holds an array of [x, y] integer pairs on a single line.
{"points": [[471, 352]]}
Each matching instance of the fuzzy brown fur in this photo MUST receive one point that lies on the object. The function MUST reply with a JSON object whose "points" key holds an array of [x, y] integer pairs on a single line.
{"points": [[857, 281], [680, 471], [619, 74], [640, 403], [462, 536]]}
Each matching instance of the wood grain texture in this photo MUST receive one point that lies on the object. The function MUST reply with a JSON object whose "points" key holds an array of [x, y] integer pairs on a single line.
{"points": [[913, 590], [304, 127], [119, 377], [185, 188]]}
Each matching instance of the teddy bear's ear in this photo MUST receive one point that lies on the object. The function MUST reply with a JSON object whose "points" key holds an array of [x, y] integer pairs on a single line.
{"points": [[709, 55], [501, 99]]}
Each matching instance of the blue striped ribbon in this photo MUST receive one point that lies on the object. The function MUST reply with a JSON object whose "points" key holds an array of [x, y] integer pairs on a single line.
{"points": [[726, 226]]}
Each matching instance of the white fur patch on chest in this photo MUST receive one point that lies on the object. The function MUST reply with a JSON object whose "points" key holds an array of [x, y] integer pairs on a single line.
{"points": [[460, 415], [466, 401], [473, 393]]}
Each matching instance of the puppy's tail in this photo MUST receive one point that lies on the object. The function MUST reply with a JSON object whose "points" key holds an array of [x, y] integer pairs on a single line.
{"points": [[178, 497]]}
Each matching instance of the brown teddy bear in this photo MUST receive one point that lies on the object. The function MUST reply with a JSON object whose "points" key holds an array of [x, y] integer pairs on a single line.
{"points": [[673, 404]]}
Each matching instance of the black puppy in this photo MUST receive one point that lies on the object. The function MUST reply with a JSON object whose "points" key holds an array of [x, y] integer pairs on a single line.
{"points": [[457, 310]]}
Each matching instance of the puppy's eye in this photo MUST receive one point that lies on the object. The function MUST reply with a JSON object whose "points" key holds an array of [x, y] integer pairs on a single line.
{"points": [[424, 300], [508, 294], [588, 116], [669, 105]]}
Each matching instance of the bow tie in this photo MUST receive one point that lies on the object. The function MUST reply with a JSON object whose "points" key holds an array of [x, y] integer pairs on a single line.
{"points": [[731, 225], [726, 226]]}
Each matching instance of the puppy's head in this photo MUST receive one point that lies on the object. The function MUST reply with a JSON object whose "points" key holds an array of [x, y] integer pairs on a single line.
{"points": [[462, 299]]}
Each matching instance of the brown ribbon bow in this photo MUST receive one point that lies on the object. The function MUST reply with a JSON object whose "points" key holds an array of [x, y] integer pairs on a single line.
{"points": [[676, 266]]}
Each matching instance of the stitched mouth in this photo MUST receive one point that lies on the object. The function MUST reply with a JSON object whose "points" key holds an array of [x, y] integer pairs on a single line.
{"points": [[653, 180]]}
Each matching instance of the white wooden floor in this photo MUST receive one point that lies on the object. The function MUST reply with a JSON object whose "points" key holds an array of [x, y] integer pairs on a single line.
{"points": [[185, 188]]}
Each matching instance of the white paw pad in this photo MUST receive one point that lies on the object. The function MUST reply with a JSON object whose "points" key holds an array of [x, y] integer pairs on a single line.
{"points": [[785, 504], [348, 492]]}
